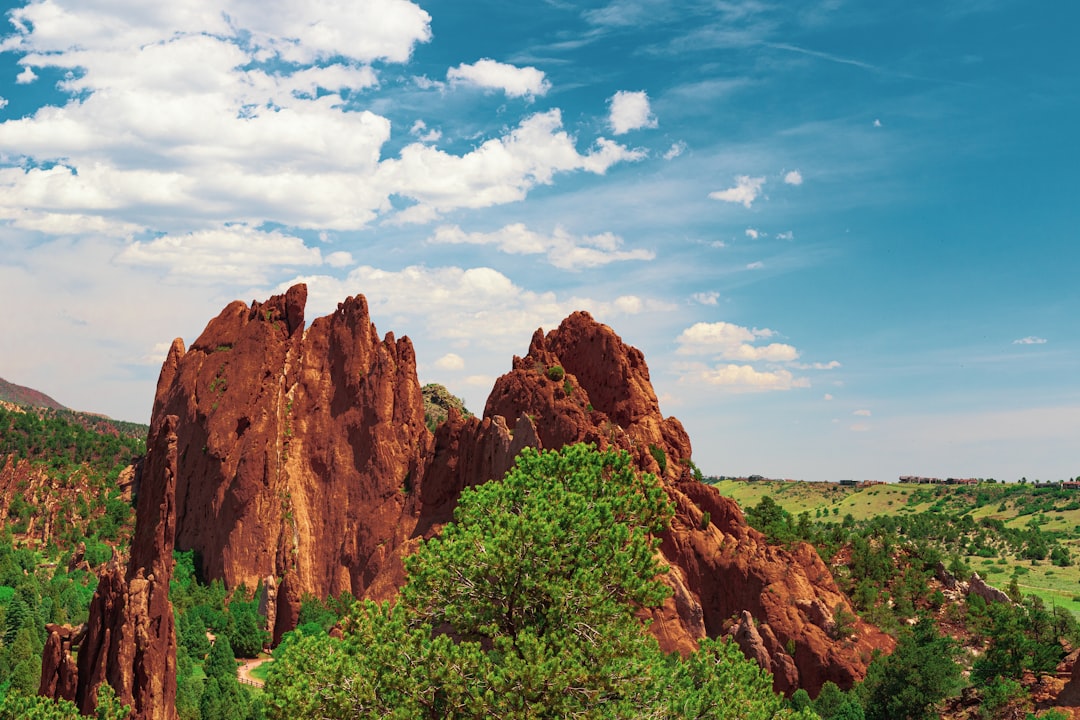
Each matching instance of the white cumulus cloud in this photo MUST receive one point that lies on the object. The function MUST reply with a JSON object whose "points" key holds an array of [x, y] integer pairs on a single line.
{"points": [[746, 191], [26, 77], [732, 342], [514, 81], [630, 111], [238, 254], [183, 116], [793, 178]]}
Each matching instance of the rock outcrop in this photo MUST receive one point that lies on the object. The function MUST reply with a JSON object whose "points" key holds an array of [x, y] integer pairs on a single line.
{"points": [[59, 674], [300, 452], [989, 593], [129, 641], [581, 383], [303, 465]]}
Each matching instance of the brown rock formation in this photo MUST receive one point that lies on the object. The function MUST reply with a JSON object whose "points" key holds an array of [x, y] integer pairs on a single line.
{"points": [[130, 641]]}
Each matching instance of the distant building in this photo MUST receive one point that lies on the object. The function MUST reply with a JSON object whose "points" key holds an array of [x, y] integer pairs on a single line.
{"points": [[917, 480]]}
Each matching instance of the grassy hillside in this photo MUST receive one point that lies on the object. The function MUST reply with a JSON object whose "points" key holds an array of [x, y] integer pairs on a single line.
{"points": [[1055, 512]]}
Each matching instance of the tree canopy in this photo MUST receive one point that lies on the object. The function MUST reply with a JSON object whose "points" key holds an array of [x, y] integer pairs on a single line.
{"points": [[525, 608]]}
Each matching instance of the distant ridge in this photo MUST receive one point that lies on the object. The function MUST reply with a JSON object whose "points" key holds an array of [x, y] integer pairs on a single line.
{"points": [[12, 393]]}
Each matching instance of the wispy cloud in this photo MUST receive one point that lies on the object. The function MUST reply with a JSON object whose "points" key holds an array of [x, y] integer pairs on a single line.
{"points": [[672, 152], [563, 250], [870, 67], [743, 378], [450, 361], [1030, 340], [706, 298]]}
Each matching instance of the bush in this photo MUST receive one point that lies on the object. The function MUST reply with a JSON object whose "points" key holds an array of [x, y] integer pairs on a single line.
{"points": [[659, 456], [556, 372]]}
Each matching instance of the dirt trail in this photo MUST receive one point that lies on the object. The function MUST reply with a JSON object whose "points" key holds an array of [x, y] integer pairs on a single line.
{"points": [[244, 671]]}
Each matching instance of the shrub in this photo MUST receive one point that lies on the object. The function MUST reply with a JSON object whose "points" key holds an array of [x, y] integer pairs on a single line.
{"points": [[556, 372], [659, 456]]}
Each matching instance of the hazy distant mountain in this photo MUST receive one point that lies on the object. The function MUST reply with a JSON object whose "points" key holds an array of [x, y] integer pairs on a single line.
{"points": [[10, 392]]}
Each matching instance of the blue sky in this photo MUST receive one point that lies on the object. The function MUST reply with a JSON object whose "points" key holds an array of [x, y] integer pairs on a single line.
{"points": [[843, 232]]}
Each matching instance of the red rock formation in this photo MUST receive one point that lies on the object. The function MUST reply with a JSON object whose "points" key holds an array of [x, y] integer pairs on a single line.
{"points": [[130, 641], [302, 462], [299, 452], [59, 674], [580, 383]]}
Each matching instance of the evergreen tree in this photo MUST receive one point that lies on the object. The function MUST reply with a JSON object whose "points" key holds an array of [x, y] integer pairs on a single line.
{"points": [[537, 582], [221, 662], [921, 672]]}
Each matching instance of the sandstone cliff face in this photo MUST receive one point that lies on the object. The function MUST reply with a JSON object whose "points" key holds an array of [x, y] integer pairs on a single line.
{"points": [[129, 641], [298, 451]]}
